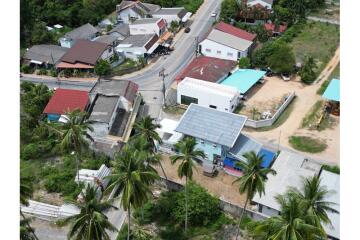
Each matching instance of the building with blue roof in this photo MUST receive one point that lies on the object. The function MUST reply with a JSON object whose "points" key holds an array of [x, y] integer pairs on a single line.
{"points": [[243, 79], [332, 91]]}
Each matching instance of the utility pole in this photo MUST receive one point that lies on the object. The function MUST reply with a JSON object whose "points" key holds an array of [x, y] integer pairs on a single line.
{"points": [[197, 46], [279, 141], [163, 75]]}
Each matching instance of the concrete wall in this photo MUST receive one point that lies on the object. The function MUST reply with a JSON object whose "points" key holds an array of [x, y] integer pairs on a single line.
{"points": [[268, 122], [131, 52], [224, 51]]}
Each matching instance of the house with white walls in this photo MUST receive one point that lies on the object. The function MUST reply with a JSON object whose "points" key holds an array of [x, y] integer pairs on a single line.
{"points": [[129, 11], [227, 42], [148, 26], [85, 32], [135, 46], [264, 3], [179, 15]]}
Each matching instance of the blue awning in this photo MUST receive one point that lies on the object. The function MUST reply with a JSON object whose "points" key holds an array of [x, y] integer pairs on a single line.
{"points": [[243, 79], [268, 157], [228, 162], [332, 92]]}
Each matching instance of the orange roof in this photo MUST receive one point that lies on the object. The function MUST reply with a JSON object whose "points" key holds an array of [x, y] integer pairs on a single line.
{"points": [[165, 37], [75, 65]]}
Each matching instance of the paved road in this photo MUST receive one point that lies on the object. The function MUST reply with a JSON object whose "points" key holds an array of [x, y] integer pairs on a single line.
{"points": [[51, 83]]}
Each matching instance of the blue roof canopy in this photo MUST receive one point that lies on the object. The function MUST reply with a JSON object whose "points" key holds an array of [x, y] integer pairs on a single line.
{"points": [[268, 157], [243, 79], [332, 92]]}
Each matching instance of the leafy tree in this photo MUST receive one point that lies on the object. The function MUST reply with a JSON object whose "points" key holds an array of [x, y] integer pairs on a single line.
{"points": [[307, 72], [290, 225], [91, 222], [26, 231], [146, 127], [313, 201], [253, 179], [229, 10], [260, 56], [282, 60], [187, 154], [40, 34], [132, 179], [244, 62], [102, 68], [174, 25], [74, 134]]}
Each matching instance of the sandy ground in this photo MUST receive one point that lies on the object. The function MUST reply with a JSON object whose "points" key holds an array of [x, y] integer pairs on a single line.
{"points": [[220, 185], [306, 98]]}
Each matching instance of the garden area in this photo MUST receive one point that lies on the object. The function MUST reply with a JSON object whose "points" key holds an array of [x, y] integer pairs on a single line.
{"points": [[307, 144], [128, 66]]}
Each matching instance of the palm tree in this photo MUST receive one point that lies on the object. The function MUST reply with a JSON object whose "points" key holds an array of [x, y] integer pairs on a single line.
{"points": [[146, 127], [312, 196], [290, 225], [253, 179], [74, 134], [26, 231], [91, 222], [187, 155], [26, 192], [132, 179]]}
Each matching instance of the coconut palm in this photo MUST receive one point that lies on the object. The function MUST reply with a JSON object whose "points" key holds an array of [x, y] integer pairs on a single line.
{"points": [[312, 197], [187, 154], [26, 192], [253, 179], [74, 134], [290, 225], [91, 222], [132, 179], [146, 127]]}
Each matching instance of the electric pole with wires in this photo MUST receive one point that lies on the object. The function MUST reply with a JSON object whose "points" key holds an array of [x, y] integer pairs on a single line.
{"points": [[163, 75]]}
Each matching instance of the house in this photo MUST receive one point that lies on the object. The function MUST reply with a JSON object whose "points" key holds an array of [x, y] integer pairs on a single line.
{"points": [[264, 3], [44, 55], [128, 11], [108, 39], [274, 29], [218, 134], [121, 31], [207, 94], [291, 168], [86, 31], [179, 15], [332, 95], [208, 69], [105, 23], [85, 54], [114, 106], [168, 135], [65, 100], [148, 26], [136, 46], [227, 42], [96, 178]]}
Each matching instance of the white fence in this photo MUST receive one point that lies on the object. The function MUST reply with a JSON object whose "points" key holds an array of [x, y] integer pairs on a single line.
{"points": [[268, 122]]}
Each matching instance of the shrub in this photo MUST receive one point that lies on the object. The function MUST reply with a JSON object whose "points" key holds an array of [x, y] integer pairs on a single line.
{"points": [[30, 151], [102, 68], [53, 73], [42, 71], [244, 62], [282, 59], [26, 69], [58, 181], [333, 169]]}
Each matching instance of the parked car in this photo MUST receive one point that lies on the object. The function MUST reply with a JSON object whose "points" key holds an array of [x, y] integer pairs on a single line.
{"points": [[286, 76], [213, 14], [268, 71], [187, 30]]}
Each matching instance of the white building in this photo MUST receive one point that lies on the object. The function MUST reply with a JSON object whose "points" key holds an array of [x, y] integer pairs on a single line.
{"points": [[168, 135], [265, 3], [227, 42], [178, 15], [136, 46], [128, 11], [95, 178], [207, 94], [148, 26], [86, 31]]}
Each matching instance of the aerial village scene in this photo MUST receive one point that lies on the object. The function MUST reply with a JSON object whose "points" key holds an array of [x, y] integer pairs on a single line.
{"points": [[180, 119]]}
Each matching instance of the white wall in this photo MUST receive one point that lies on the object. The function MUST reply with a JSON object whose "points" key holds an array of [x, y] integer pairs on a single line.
{"points": [[131, 52], [269, 211], [168, 18], [106, 54], [207, 98], [214, 49], [66, 42], [126, 14], [264, 4], [148, 28]]}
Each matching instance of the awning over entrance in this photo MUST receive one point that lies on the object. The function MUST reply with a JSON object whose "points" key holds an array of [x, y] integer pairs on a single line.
{"points": [[36, 62], [75, 65], [165, 37]]}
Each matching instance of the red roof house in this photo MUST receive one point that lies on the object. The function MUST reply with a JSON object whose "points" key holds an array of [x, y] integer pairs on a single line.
{"points": [[65, 100], [237, 32], [275, 29], [208, 69]]}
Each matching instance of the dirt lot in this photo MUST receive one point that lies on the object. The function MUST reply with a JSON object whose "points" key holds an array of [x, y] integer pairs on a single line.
{"points": [[220, 186], [264, 98]]}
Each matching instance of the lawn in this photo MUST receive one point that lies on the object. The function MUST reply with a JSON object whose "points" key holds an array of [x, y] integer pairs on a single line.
{"points": [[175, 109], [307, 144], [319, 40]]}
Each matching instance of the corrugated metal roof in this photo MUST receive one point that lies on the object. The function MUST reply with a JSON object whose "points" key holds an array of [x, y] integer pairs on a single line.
{"points": [[45, 53], [332, 92], [83, 32], [229, 40], [212, 125], [243, 145], [237, 32]]}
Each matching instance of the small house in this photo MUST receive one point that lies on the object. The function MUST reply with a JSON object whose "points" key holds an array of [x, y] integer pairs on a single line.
{"points": [[148, 26], [128, 11], [121, 31], [179, 15], [86, 31], [44, 55], [136, 46]]}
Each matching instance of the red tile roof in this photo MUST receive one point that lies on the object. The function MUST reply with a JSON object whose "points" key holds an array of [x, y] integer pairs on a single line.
{"points": [[65, 100], [271, 27], [237, 32], [161, 24], [207, 68]]}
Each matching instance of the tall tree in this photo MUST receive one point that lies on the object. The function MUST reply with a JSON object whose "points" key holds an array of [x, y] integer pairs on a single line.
{"points": [[307, 72], [282, 60], [253, 179], [26, 231], [313, 200], [187, 154], [74, 134], [91, 223], [290, 225], [132, 180]]}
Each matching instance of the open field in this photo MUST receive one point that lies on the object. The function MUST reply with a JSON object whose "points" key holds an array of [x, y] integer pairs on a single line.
{"points": [[318, 40]]}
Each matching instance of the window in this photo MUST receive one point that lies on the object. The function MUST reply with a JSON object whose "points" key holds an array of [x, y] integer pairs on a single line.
{"points": [[230, 54], [212, 106], [188, 100], [239, 55], [214, 145], [226, 109], [218, 52], [208, 50]]}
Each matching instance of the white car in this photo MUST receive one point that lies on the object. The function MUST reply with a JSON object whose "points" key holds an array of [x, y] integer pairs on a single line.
{"points": [[214, 14], [286, 76]]}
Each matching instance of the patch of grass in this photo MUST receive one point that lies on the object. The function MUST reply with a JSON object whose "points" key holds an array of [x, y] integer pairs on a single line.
{"points": [[283, 117], [318, 40], [334, 169], [175, 109], [311, 118], [307, 144]]}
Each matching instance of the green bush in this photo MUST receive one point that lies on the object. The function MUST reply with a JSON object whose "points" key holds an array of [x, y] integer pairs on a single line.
{"points": [[333, 169], [58, 181], [144, 215], [30, 151], [42, 71], [244, 62], [26, 69]]}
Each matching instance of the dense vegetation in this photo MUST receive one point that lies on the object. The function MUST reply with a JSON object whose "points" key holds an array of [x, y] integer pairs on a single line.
{"points": [[190, 5], [36, 14]]}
